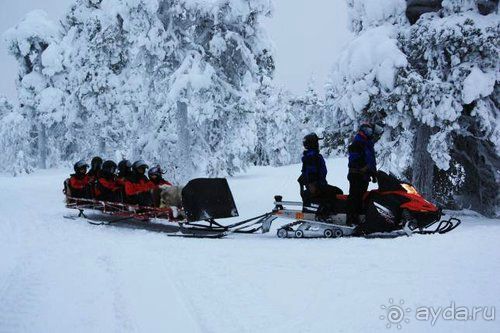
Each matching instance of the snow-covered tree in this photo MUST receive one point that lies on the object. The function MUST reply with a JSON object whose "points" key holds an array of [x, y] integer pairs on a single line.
{"points": [[222, 59], [172, 81], [435, 84], [40, 101], [279, 129], [14, 140]]}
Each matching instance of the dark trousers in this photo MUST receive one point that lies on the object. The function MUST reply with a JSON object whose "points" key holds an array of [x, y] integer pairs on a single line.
{"points": [[324, 195], [358, 184]]}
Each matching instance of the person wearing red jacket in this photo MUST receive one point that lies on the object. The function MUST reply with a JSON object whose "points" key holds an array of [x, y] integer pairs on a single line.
{"points": [[156, 176], [79, 181], [137, 186], [107, 187]]}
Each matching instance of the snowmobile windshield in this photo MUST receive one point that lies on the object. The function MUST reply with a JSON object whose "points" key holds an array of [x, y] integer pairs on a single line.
{"points": [[387, 182]]}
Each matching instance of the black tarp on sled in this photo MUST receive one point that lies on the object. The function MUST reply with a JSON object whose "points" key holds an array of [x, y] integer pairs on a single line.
{"points": [[207, 199]]}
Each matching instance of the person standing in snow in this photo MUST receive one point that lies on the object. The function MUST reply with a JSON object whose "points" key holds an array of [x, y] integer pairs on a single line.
{"points": [[362, 167], [78, 183]]}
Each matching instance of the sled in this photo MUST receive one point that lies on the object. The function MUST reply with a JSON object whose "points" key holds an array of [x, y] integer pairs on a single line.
{"points": [[203, 201]]}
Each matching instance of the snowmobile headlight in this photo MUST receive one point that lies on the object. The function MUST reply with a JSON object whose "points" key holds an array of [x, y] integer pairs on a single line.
{"points": [[409, 189]]}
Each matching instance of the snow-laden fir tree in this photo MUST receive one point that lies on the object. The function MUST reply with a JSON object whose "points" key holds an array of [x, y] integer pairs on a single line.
{"points": [[171, 81], [14, 139], [279, 134], [435, 85], [40, 101], [221, 62]]}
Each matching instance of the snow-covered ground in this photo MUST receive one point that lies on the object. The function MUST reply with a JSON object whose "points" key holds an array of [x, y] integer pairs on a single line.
{"points": [[59, 275]]}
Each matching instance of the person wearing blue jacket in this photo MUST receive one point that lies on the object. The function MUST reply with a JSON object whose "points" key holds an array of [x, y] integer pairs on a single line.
{"points": [[313, 184], [313, 164], [362, 167]]}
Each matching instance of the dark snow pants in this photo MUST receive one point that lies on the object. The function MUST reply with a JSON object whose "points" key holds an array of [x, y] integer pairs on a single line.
{"points": [[358, 184]]}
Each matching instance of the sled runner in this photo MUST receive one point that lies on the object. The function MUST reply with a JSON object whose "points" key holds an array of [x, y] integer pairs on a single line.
{"points": [[394, 209]]}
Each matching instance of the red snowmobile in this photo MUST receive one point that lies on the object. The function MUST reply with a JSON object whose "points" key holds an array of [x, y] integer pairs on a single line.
{"points": [[396, 206]]}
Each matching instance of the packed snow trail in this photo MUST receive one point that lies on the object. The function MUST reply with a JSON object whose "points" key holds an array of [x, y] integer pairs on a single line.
{"points": [[60, 275]]}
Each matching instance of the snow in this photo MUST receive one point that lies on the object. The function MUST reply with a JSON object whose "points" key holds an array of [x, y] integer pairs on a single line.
{"points": [[52, 60], [476, 85], [50, 105], [372, 13], [371, 57], [60, 275], [36, 24]]}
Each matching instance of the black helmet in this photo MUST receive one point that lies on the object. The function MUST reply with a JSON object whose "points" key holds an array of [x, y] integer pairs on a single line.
{"points": [[139, 163], [109, 166], [311, 141], [155, 171], [79, 165], [96, 163], [124, 165]]}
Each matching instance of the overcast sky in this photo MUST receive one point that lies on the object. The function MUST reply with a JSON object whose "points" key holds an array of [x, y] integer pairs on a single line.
{"points": [[307, 34]]}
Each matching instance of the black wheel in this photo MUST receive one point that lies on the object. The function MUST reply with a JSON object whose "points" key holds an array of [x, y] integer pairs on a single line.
{"points": [[328, 233], [299, 234], [282, 233], [337, 233]]}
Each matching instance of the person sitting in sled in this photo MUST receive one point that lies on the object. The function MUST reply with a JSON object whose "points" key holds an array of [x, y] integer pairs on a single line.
{"points": [[124, 170], [362, 167], [137, 186], [95, 167], [79, 182], [313, 184], [107, 187], [156, 178]]}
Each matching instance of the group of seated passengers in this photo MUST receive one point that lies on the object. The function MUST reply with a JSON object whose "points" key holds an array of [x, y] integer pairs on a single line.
{"points": [[130, 185]]}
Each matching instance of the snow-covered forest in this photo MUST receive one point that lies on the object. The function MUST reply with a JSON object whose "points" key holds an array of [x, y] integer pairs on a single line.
{"points": [[189, 84]]}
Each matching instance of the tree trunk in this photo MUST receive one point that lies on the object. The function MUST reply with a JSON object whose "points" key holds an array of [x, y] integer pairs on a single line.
{"points": [[480, 191], [183, 145], [42, 147], [423, 165], [102, 147]]}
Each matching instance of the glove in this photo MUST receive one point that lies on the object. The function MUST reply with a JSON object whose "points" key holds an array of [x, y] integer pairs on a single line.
{"points": [[374, 178]]}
